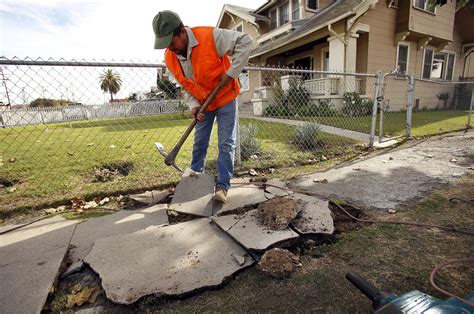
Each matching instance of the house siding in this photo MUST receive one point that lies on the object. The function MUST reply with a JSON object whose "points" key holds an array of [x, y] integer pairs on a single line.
{"points": [[438, 25], [381, 49]]}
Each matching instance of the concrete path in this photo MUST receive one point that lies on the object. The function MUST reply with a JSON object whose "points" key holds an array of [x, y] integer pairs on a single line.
{"points": [[29, 262], [358, 136], [396, 178]]}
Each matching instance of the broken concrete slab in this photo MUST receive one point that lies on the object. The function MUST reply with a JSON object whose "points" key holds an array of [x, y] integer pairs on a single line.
{"points": [[250, 233], [122, 222], [30, 258], [315, 218], [275, 190], [193, 195], [150, 197], [241, 196], [171, 260]]}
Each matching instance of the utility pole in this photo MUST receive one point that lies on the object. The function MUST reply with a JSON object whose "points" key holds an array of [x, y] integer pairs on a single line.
{"points": [[4, 82]]}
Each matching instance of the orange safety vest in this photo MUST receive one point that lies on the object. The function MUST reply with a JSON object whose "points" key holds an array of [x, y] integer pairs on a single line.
{"points": [[208, 67]]}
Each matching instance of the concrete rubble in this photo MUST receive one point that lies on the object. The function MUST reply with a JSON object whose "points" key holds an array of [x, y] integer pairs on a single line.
{"points": [[251, 233], [315, 218], [171, 260], [150, 197]]}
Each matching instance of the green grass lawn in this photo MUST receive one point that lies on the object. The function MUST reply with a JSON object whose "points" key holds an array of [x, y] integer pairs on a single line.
{"points": [[50, 164], [423, 122]]}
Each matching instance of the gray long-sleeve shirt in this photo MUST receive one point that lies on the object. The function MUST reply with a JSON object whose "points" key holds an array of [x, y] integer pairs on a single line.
{"points": [[235, 44]]}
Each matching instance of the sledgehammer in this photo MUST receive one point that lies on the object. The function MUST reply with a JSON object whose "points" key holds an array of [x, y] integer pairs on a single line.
{"points": [[170, 159]]}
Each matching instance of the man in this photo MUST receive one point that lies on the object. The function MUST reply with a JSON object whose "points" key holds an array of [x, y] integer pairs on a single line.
{"points": [[198, 58]]}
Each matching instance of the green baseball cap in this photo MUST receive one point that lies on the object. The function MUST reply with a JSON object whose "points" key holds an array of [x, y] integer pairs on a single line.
{"points": [[164, 24]]}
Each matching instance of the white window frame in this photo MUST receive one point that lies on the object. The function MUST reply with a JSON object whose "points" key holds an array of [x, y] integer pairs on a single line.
{"points": [[241, 24], [407, 44], [308, 8], [447, 54], [424, 7]]}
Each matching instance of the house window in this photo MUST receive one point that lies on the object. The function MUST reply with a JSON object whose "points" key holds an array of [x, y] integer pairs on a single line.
{"points": [[427, 64], [273, 19], [312, 5], [450, 68], [295, 10], [438, 65], [402, 58], [425, 5], [244, 81], [284, 16]]}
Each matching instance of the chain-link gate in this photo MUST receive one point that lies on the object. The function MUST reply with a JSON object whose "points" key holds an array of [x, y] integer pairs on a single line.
{"points": [[417, 107]]}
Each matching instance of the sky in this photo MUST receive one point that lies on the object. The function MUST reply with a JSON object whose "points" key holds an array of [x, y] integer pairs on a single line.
{"points": [[96, 29], [91, 30]]}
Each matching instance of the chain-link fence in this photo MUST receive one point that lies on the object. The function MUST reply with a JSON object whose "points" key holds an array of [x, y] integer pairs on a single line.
{"points": [[70, 128]]}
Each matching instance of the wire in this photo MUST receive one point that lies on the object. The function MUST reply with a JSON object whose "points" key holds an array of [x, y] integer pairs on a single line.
{"points": [[447, 263], [450, 229], [461, 200]]}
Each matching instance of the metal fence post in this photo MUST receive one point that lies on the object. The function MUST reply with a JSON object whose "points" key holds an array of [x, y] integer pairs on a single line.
{"points": [[378, 75], [238, 159], [411, 97], [468, 126]]}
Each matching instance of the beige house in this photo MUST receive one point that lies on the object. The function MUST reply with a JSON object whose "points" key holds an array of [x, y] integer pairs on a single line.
{"points": [[363, 36]]}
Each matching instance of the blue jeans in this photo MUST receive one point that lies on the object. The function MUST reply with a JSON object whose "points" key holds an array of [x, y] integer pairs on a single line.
{"points": [[226, 134]]}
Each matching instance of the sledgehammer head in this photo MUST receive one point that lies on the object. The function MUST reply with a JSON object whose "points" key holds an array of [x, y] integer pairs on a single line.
{"points": [[169, 158]]}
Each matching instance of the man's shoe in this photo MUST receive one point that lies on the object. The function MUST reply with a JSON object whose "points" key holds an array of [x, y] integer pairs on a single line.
{"points": [[221, 195]]}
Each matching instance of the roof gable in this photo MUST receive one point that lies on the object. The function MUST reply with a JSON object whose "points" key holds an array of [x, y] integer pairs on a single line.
{"points": [[243, 13]]}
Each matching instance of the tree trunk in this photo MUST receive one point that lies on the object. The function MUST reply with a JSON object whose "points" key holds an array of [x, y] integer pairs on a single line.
{"points": [[111, 97]]}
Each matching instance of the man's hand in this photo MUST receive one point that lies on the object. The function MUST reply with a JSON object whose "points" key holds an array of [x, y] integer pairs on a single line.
{"points": [[225, 79], [197, 117]]}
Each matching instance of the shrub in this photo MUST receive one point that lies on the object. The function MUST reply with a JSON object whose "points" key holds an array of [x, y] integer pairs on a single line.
{"points": [[249, 143], [354, 106], [306, 136], [325, 108], [276, 110], [46, 102], [296, 98]]}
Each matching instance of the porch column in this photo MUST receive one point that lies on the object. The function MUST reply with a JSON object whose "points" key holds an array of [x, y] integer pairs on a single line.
{"points": [[336, 54], [351, 59]]}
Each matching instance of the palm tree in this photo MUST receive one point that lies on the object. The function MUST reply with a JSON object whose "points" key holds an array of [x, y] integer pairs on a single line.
{"points": [[110, 82]]}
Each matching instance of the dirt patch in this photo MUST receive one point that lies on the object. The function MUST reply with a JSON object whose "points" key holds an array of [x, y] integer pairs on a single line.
{"points": [[278, 212], [112, 172], [344, 223], [6, 182], [174, 217], [278, 263]]}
